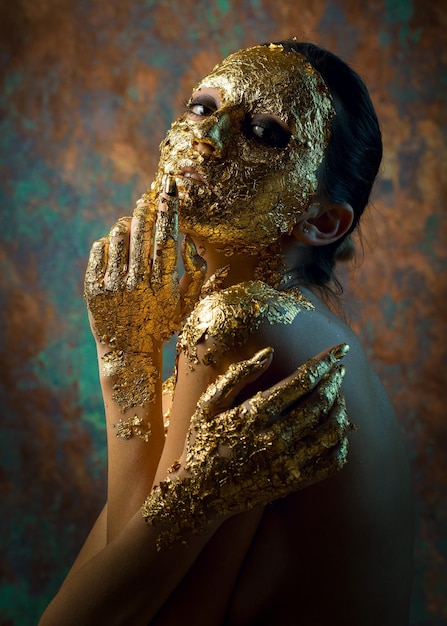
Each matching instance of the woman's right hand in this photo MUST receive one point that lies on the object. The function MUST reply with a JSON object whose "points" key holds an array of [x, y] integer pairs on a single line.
{"points": [[131, 282], [133, 294], [277, 442]]}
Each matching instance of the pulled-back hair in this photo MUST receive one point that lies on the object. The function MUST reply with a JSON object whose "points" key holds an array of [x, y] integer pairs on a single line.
{"points": [[352, 156]]}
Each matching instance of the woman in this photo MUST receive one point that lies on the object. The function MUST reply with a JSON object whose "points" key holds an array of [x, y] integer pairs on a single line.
{"points": [[269, 169]]}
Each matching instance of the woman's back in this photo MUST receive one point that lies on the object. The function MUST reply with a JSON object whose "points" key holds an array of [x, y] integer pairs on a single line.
{"points": [[338, 552]]}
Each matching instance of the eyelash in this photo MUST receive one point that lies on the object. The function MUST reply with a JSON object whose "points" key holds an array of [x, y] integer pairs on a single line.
{"points": [[271, 134], [204, 102]]}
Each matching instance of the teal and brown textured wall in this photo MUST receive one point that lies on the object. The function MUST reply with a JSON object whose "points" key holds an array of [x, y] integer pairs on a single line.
{"points": [[88, 90]]}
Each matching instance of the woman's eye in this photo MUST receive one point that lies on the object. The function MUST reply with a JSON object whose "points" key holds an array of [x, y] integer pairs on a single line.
{"points": [[202, 106], [268, 131]]}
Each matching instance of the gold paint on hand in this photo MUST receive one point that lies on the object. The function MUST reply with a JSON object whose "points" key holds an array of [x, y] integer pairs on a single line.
{"points": [[133, 295], [279, 441]]}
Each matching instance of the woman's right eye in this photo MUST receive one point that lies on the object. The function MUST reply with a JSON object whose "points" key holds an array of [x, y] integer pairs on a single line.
{"points": [[201, 106]]}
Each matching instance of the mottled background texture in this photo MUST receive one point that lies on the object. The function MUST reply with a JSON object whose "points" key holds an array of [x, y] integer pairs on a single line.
{"points": [[88, 90]]}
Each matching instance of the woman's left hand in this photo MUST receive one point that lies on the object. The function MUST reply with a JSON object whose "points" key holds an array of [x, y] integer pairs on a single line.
{"points": [[276, 442]]}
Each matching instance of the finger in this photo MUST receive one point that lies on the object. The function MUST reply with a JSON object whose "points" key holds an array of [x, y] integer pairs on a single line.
{"points": [[266, 406], [192, 280], [325, 437], [299, 421], [164, 266], [315, 407], [141, 240], [96, 268], [118, 254], [327, 465], [313, 458], [222, 393], [310, 372]]}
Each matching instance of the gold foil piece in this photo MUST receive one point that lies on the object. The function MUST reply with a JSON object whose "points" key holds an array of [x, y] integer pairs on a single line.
{"points": [[215, 281], [134, 426], [240, 458], [168, 386], [218, 392], [195, 267], [231, 315], [250, 194], [168, 389]]}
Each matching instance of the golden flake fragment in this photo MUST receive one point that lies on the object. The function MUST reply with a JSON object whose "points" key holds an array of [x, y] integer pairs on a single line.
{"points": [[168, 386], [134, 426], [168, 389], [134, 378]]}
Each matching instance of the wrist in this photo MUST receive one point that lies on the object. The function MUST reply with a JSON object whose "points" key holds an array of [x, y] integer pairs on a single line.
{"points": [[130, 378], [175, 511]]}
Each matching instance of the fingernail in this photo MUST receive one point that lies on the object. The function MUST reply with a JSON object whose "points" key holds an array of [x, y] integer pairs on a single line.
{"points": [[170, 186], [341, 350], [261, 357], [342, 370]]}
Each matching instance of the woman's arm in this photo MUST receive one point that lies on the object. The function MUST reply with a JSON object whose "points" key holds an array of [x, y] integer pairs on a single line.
{"points": [[125, 583], [131, 577], [135, 304]]}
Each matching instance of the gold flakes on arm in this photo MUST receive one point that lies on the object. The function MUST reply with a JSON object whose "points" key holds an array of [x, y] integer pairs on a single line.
{"points": [[275, 443], [134, 426]]}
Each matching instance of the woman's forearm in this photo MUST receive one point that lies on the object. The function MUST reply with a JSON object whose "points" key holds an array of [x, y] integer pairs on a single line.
{"points": [[95, 542], [135, 439], [125, 583]]}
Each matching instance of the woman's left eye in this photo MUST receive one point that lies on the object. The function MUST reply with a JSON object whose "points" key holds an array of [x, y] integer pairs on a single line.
{"points": [[268, 131]]}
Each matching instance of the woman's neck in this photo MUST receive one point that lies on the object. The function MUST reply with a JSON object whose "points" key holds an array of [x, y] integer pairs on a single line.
{"points": [[270, 265], [242, 267]]}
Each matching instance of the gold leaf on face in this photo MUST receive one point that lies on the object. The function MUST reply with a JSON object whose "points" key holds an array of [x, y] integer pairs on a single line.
{"points": [[251, 193]]}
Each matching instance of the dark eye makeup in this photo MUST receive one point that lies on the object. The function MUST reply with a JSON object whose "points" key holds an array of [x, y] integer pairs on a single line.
{"points": [[201, 105], [261, 127], [267, 130]]}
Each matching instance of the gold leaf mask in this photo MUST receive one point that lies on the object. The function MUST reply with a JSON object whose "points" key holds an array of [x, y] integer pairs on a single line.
{"points": [[266, 133]]}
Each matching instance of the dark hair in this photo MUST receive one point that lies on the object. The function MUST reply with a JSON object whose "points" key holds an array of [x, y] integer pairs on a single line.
{"points": [[353, 153]]}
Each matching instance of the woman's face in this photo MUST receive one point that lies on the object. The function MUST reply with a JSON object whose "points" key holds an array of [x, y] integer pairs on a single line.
{"points": [[245, 153]]}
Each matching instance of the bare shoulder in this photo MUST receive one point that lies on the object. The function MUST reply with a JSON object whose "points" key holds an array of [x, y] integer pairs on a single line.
{"points": [[338, 552], [227, 320]]}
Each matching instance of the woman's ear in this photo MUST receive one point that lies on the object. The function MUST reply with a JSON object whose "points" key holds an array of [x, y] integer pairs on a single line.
{"points": [[324, 223]]}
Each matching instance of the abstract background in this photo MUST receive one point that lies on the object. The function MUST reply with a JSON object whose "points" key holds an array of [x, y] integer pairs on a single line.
{"points": [[88, 89]]}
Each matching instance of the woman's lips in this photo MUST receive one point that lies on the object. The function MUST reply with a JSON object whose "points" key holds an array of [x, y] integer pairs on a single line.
{"points": [[192, 174]]}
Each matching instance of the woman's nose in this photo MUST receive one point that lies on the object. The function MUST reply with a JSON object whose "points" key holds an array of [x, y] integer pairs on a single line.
{"points": [[202, 147], [212, 134]]}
